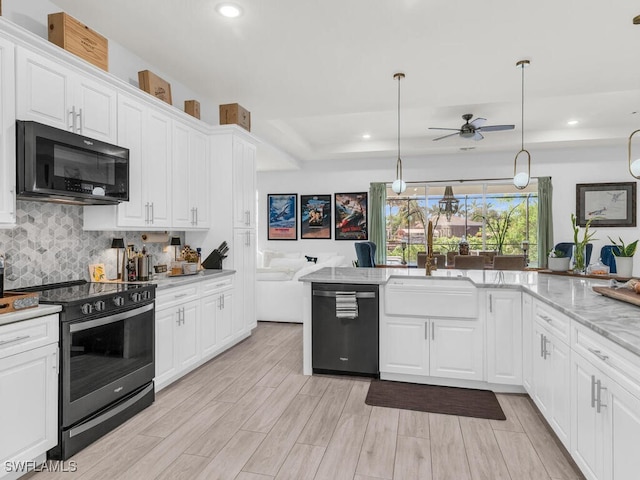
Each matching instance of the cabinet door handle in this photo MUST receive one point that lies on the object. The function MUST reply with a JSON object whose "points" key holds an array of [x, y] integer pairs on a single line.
{"points": [[180, 295], [426, 330], [599, 354], [490, 303], [13, 340], [72, 123], [146, 212], [222, 302], [542, 345], [545, 318], [546, 352], [55, 362], [153, 213], [247, 240], [79, 117], [196, 209], [247, 217], [593, 391], [433, 331], [599, 403]]}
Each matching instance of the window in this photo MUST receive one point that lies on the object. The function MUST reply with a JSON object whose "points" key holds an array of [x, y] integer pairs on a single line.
{"points": [[491, 216]]}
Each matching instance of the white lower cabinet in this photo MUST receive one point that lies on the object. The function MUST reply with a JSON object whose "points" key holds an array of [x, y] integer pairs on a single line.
{"points": [[504, 336], [29, 391], [446, 348], [527, 342], [177, 340], [551, 380], [194, 323], [605, 414], [217, 317]]}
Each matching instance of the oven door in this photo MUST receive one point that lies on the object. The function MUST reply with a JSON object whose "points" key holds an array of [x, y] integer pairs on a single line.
{"points": [[103, 359]]}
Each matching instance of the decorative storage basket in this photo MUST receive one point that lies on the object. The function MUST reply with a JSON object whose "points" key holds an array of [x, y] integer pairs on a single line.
{"points": [[192, 107], [234, 113], [156, 86], [75, 37]]}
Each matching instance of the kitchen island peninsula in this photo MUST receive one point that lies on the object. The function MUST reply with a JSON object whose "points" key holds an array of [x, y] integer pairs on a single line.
{"points": [[575, 352]]}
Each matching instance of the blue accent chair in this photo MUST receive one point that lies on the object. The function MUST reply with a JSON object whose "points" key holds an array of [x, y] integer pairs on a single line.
{"points": [[608, 258], [567, 248], [366, 254]]}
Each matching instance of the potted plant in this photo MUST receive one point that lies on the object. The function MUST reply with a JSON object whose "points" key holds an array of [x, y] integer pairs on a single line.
{"points": [[624, 257], [558, 261], [580, 246]]}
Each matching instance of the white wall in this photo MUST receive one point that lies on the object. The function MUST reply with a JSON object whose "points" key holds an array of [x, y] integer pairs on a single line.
{"points": [[32, 15], [567, 167]]}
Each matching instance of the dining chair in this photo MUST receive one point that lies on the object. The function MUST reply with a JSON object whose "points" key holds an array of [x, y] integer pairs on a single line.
{"points": [[470, 262], [509, 262]]}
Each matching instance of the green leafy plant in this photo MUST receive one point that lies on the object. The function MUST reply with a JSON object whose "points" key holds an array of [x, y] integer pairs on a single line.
{"points": [[580, 245], [557, 253], [498, 227], [622, 250]]}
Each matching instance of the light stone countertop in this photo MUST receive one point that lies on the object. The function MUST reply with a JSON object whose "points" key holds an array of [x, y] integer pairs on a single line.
{"points": [[618, 321], [164, 281], [29, 313]]}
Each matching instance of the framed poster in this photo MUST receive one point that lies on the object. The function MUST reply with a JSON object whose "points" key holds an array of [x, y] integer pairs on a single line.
{"points": [[607, 204], [315, 216], [282, 216], [351, 216]]}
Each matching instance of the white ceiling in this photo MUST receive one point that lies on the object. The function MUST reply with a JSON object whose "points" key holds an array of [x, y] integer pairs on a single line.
{"points": [[316, 75]]}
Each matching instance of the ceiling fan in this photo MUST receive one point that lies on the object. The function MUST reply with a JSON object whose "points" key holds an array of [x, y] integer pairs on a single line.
{"points": [[472, 129]]}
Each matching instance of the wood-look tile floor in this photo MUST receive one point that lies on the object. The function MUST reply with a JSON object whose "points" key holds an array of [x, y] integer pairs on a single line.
{"points": [[250, 414]]}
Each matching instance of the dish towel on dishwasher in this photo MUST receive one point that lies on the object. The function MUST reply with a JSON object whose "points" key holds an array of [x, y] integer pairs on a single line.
{"points": [[346, 305]]}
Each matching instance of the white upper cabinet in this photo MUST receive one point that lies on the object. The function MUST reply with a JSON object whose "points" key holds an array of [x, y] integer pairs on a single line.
{"points": [[49, 92], [147, 135], [7, 133], [189, 177], [244, 184]]}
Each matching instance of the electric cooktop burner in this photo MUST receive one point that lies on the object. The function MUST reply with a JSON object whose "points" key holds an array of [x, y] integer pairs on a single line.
{"points": [[80, 298]]}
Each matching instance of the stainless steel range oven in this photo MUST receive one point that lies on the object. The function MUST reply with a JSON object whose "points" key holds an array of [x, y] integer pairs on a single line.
{"points": [[106, 358]]}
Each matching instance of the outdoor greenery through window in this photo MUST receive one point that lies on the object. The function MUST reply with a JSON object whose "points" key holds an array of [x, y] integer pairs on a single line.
{"points": [[491, 216]]}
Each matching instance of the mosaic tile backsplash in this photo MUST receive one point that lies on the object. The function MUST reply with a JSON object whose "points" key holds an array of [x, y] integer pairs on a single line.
{"points": [[48, 245]]}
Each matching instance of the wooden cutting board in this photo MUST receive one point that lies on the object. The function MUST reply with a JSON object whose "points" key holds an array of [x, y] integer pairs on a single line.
{"points": [[622, 294]]}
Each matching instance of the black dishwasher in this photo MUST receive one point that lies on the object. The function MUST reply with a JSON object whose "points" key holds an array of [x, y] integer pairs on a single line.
{"points": [[344, 329]]}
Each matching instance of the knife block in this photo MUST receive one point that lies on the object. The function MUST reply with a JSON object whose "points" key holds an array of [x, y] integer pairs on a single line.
{"points": [[214, 261]]}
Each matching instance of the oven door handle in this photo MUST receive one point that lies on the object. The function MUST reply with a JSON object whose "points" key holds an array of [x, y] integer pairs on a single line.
{"points": [[85, 325]]}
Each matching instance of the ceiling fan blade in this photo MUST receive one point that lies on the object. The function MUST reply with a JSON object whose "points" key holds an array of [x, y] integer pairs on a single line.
{"points": [[437, 128], [496, 128], [478, 136], [446, 136], [478, 122]]}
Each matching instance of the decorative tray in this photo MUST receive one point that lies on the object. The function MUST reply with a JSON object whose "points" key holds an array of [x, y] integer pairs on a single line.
{"points": [[569, 273], [622, 294], [182, 274], [12, 302]]}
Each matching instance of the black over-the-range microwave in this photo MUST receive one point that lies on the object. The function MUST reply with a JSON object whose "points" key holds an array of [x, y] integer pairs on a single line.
{"points": [[56, 165]]}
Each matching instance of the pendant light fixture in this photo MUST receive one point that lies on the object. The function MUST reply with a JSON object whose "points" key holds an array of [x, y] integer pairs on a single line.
{"points": [[399, 185], [634, 166], [448, 204], [521, 178]]}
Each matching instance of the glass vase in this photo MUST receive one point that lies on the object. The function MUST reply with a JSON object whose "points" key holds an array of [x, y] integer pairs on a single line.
{"points": [[579, 259]]}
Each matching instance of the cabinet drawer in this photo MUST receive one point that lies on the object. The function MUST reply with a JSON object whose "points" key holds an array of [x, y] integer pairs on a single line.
{"points": [[213, 286], [175, 296], [556, 322], [613, 360], [431, 298], [22, 336]]}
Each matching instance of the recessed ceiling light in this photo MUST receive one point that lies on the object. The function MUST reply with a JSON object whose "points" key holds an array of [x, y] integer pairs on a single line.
{"points": [[229, 10], [573, 122], [366, 136]]}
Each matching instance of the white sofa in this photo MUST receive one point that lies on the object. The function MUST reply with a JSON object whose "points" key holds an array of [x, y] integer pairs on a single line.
{"points": [[278, 291]]}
